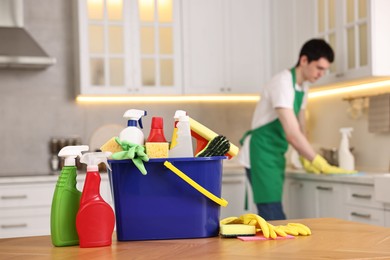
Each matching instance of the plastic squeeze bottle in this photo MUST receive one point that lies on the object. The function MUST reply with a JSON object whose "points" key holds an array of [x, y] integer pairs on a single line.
{"points": [[66, 200], [132, 133], [95, 219], [346, 159], [178, 114], [183, 147]]}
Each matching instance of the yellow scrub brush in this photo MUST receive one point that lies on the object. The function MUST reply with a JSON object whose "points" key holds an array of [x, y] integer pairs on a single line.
{"points": [[218, 146], [203, 135]]}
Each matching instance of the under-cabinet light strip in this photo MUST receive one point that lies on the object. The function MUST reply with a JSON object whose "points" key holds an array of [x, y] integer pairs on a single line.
{"points": [[126, 99], [374, 86]]}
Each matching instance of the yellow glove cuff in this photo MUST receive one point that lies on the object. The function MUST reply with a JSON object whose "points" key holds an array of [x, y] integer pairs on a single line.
{"points": [[324, 167], [307, 165], [320, 163]]}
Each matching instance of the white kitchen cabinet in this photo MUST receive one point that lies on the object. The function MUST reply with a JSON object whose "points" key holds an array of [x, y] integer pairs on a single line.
{"points": [[225, 46], [25, 209], [312, 199], [357, 31], [292, 25], [361, 206], [329, 199], [362, 195], [25, 203], [387, 218], [365, 215], [308, 196], [129, 47], [298, 199], [235, 188]]}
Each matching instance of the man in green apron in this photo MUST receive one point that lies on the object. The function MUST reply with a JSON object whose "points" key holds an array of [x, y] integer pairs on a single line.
{"points": [[279, 121]]}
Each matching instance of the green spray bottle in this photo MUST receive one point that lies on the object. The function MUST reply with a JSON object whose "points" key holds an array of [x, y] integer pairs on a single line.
{"points": [[66, 200]]}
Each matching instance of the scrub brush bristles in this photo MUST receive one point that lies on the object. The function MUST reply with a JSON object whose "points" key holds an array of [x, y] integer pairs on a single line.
{"points": [[218, 146]]}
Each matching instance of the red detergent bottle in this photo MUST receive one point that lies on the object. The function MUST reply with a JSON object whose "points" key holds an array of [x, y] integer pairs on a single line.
{"points": [[95, 219], [157, 130]]}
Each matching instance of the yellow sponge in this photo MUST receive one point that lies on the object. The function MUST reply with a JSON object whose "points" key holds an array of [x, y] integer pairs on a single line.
{"points": [[111, 146], [157, 149], [234, 230]]}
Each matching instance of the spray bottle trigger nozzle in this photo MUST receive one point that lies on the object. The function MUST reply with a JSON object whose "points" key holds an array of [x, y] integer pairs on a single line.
{"points": [[71, 152], [94, 158], [140, 119]]}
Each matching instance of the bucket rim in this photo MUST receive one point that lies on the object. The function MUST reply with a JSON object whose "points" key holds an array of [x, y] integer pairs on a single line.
{"points": [[178, 159]]}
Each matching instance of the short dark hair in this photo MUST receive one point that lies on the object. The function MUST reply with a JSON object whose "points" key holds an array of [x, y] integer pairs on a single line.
{"points": [[315, 49]]}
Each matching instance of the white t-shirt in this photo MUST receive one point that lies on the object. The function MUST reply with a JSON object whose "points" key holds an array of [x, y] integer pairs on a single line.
{"points": [[277, 93]]}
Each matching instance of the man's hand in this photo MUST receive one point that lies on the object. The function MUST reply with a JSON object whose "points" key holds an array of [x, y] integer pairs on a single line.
{"points": [[324, 167]]}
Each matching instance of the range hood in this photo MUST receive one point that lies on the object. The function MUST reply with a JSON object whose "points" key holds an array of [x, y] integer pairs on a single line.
{"points": [[18, 49]]}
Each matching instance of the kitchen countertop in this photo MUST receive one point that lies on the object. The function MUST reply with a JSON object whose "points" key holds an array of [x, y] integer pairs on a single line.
{"points": [[331, 239], [49, 178], [230, 167], [365, 178]]}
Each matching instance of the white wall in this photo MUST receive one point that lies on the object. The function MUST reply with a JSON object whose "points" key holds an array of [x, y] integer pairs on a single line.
{"points": [[39, 104], [328, 114], [36, 105]]}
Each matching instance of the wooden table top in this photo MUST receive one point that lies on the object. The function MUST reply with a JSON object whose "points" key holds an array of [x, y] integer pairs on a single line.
{"points": [[331, 239]]}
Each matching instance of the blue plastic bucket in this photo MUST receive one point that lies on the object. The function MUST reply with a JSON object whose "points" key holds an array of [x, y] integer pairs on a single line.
{"points": [[160, 205]]}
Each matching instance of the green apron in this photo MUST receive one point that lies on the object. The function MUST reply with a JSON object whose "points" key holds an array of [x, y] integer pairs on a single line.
{"points": [[267, 147]]}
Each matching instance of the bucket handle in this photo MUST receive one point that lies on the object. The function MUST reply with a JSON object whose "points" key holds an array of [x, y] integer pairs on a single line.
{"points": [[195, 185]]}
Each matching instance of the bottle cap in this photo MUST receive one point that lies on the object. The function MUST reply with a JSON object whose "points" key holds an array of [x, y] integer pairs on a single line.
{"points": [[157, 122]]}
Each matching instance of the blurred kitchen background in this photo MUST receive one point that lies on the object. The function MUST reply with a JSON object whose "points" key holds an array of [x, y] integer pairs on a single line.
{"points": [[38, 105]]}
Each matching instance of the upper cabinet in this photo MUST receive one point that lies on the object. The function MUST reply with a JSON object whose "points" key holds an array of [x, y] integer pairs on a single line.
{"points": [[357, 31], [292, 25], [225, 46], [173, 46], [129, 46]]}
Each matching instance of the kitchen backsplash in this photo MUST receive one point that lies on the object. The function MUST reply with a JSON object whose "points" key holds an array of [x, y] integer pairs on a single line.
{"points": [[39, 105]]}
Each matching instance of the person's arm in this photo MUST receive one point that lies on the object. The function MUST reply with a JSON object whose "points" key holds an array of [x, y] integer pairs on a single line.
{"points": [[293, 132], [297, 139], [302, 121]]}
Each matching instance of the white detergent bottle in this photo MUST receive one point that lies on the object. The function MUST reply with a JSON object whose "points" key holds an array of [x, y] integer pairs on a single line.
{"points": [[132, 133], [183, 147], [177, 115], [346, 159]]}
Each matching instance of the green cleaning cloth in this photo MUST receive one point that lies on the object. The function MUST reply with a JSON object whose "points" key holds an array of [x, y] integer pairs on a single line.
{"points": [[132, 151]]}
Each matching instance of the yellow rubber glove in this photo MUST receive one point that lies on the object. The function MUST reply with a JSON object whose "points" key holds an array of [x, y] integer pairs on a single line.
{"points": [[256, 220], [308, 166], [230, 220], [324, 167], [295, 229], [268, 230]]}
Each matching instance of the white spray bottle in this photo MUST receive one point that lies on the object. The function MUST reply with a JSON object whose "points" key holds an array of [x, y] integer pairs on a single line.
{"points": [[183, 147], [177, 115], [95, 219], [346, 159], [132, 133]]}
